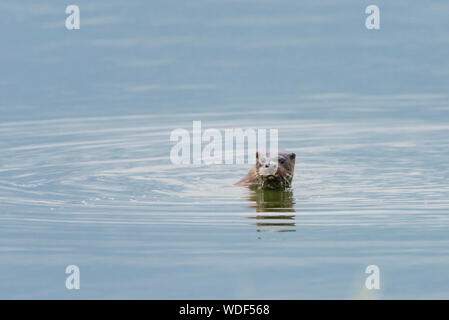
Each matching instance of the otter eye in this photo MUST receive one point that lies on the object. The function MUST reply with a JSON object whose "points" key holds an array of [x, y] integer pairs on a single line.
{"points": [[281, 161]]}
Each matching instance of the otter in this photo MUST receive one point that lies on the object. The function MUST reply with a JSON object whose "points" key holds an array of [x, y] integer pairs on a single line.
{"points": [[271, 172]]}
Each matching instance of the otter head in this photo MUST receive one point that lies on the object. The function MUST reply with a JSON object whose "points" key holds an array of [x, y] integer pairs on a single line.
{"points": [[275, 172]]}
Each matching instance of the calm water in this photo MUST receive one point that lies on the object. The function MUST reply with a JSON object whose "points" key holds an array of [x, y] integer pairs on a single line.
{"points": [[102, 193], [86, 179]]}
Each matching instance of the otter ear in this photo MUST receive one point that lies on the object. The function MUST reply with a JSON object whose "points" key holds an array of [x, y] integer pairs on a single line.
{"points": [[292, 157]]}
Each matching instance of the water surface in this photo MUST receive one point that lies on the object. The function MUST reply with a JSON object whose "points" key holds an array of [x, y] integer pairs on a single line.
{"points": [[101, 193], [86, 179]]}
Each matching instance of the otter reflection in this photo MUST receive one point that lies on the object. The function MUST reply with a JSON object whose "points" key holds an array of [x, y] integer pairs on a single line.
{"points": [[271, 202]]}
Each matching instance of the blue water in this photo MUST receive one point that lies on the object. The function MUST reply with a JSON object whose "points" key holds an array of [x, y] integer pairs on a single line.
{"points": [[86, 179]]}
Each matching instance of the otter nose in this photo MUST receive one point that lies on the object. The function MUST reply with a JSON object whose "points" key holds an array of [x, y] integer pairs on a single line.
{"points": [[267, 165]]}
